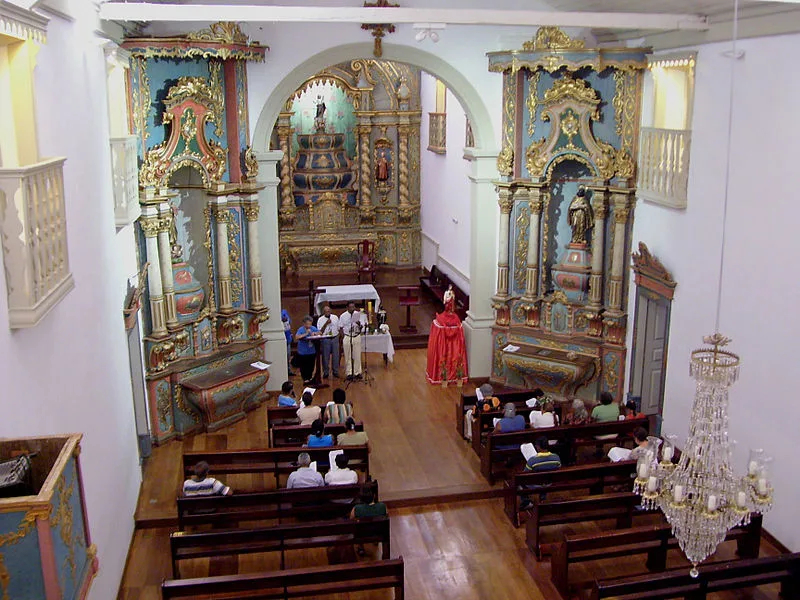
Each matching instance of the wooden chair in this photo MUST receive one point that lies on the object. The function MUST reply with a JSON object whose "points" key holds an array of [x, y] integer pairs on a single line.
{"points": [[365, 263]]}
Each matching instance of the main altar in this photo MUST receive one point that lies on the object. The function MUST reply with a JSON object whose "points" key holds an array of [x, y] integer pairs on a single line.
{"points": [[350, 170], [198, 234], [566, 196]]}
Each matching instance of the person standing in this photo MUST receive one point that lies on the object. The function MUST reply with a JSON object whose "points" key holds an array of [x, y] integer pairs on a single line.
{"points": [[287, 331], [306, 351], [351, 326], [328, 325]]}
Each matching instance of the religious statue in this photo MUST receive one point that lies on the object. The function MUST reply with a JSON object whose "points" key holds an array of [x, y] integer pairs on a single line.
{"points": [[449, 299], [319, 117], [176, 250], [580, 216], [382, 167], [447, 354]]}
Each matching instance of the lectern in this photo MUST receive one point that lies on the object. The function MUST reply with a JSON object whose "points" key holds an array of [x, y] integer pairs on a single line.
{"points": [[408, 296]]}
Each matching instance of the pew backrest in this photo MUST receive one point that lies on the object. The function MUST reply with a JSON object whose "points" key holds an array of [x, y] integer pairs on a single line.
{"points": [[297, 435], [293, 583], [467, 401]]}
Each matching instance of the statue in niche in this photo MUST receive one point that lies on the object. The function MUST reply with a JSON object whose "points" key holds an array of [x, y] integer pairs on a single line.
{"points": [[176, 250], [319, 117], [382, 167], [580, 216]]}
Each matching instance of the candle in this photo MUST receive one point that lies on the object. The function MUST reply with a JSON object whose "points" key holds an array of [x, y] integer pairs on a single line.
{"points": [[741, 499], [652, 484], [643, 470], [712, 503], [762, 486], [666, 455], [752, 468], [677, 493]]}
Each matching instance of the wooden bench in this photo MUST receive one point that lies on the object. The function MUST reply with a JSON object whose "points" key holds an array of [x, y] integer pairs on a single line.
{"points": [[468, 401], [501, 450], [731, 575], [228, 511], [280, 538], [619, 506], [653, 540], [297, 435], [592, 479], [281, 415], [293, 583], [483, 424], [278, 461], [436, 283]]}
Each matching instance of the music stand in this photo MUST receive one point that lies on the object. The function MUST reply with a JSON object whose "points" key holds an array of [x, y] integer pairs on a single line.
{"points": [[408, 296]]}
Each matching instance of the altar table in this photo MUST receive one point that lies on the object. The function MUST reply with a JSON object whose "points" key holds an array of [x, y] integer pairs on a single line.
{"points": [[342, 293], [380, 343]]}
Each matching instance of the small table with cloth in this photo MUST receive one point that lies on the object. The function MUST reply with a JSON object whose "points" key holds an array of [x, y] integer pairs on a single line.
{"points": [[382, 344], [344, 293]]}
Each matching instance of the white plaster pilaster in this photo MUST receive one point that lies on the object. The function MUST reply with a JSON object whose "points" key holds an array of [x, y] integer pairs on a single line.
{"points": [[165, 258], [150, 227], [598, 249], [506, 202], [621, 211], [251, 212], [219, 206], [532, 259]]}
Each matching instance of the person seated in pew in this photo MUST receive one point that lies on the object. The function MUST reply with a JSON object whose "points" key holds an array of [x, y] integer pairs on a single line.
{"points": [[351, 437], [307, 413], [304, 476], [536, 400], [607, 410], [577, 415], [366, 508], [640, 437], [486, 401], [542, 460], [340, 409], [544, 418], [630, 411], [342, 474], [511, 421], [286, 397], [318, 439], [201, 484]]}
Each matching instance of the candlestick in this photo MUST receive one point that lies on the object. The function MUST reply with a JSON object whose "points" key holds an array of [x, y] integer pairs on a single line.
{"points": [[741, 499], [762, 486], [677, 493], [752, 468], [652, 484], [712, 503], [667, 453], [643, 470]]}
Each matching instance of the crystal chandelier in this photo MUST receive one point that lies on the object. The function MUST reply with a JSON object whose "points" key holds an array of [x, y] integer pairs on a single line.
{"points": [[701, 497]]}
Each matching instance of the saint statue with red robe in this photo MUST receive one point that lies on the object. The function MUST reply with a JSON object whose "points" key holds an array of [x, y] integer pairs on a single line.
{"points": [[447, 353]]}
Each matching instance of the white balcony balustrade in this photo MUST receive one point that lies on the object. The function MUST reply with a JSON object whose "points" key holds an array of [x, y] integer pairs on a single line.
{"points": [[126, 185], [33, 226], [664, 166]]}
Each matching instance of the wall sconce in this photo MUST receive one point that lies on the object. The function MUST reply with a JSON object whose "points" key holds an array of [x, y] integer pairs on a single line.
{"points": [[428, 30]]}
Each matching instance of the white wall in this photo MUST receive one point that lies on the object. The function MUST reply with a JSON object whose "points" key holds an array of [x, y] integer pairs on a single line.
{"points": [[444, 191], [70, 373], [760, 283]]}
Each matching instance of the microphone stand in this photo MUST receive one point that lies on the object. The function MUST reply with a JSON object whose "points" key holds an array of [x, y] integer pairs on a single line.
{"points": [[352, 376]]}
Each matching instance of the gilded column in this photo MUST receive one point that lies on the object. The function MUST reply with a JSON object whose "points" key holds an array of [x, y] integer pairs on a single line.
{"points": [[532, 260], [150, 224], [219, 207], [365, 164], [284, 131], [506, 202], [598, 250], [402, 170], [254, 257], [165, 258], [621, 212]]}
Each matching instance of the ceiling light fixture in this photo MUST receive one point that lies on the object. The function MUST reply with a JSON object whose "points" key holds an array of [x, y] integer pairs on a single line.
{"points": [[428, 30]]}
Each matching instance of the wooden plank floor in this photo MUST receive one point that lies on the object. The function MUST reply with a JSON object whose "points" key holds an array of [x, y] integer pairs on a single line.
{"points": [[461, 550]]}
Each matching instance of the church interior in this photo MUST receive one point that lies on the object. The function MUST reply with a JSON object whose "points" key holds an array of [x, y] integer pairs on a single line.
{"points": [[553, 196]]}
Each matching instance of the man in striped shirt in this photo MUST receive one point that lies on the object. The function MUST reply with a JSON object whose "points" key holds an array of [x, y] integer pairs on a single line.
{"points": [[203, 485], [543, 460]]}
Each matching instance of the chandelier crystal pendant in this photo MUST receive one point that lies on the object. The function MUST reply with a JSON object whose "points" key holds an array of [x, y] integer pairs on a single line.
{"points": [[701, 497]]}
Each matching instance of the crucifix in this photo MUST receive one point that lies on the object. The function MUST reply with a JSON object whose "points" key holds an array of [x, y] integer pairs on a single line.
{"points": [[378, 29]]}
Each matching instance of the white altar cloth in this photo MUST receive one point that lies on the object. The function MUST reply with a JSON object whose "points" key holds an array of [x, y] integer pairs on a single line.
{"points": [[341, 293], [380, 343]]}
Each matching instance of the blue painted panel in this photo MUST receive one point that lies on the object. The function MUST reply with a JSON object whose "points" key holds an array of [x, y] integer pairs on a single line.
{"points": [[69, 537], [21, 558], [605, 129]]}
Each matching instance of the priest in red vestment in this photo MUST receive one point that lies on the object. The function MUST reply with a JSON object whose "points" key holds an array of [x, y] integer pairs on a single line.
{"points": [[447, 354]]}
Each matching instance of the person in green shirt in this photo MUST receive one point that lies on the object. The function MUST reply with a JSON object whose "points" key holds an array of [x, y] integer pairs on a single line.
{"points": [[607, 410], [366, 508]]}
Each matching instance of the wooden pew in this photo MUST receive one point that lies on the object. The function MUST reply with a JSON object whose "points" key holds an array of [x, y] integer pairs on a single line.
{"points": [[280, 415], [229, 511], [278, 461], [592, 479], [653, 540], [619, 506], [495, 459], [731, 575], [467, 401], [297, 435], [280, 538], [293, 583], [483, 424]]}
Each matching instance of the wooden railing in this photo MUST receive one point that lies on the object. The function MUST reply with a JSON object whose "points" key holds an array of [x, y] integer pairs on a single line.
{"points": [[124, 169], [33, 224], [437, 133], [664, 166]]}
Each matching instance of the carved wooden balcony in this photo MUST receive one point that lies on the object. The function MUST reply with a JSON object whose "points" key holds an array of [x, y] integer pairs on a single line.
{"points": [[33, 225], [125, 172], [437, 133], [664, 166]]}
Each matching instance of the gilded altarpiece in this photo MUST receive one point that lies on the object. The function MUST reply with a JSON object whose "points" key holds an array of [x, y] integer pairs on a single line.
{"points": [[198, 233], [351, 142], [566, 196]]}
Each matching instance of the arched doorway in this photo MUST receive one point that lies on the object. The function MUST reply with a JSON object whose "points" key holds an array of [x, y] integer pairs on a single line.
{"points": [[482, 198]]}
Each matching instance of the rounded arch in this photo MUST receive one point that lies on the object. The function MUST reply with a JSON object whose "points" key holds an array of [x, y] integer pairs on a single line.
{"points": [[461, 87]]}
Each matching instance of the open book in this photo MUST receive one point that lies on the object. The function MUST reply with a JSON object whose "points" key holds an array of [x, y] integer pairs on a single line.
{"points": [[528, 451], [309, 390], [332, 458]]}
